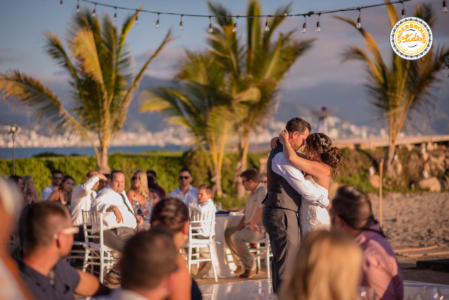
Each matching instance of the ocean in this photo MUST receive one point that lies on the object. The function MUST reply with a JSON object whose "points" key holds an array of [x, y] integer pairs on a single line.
{"points": [[30, 152]]}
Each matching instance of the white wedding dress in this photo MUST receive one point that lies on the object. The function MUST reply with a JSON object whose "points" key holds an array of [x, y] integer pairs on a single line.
{"points": [[313, 217]]}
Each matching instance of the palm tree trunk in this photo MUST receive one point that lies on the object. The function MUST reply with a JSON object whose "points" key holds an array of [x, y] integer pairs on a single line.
{"points": [[103, 158], [241, 166]]}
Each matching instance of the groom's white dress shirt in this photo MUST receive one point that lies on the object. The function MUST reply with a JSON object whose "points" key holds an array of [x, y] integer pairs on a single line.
{"points": [[82, 197], [309, 190], [108, 198]]}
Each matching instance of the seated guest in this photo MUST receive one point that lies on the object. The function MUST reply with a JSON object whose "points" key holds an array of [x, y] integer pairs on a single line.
{"points": [[48, 239], [139, 188], [174, 214], [104, 183], [327, 267], [205, 211], [250, 228], [82, 197], [30, 194], [17, 180], [264, 179], [157, 187], [152, 189], [148, 264], [119, 221], [63, 194], [56, 178], [11, 284], [185, 192], [351, 211]]}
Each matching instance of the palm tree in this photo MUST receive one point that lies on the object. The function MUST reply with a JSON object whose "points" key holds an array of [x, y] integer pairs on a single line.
{"points": [[255, 67], [404, 86], [102, 81], [200, 104]]}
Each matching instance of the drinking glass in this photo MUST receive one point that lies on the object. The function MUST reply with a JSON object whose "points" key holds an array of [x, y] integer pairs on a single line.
{"points": [[366, 293], [218, 206]]}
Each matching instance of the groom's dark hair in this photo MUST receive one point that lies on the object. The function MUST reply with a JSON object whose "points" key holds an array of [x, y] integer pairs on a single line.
{"points": [[297, 124]]}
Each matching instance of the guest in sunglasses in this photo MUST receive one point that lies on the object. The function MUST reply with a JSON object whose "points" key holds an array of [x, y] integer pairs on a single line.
{"points": [[30, 194], [264, 179], [185, 192], [139, 188], [56, 179], [48, 239]]}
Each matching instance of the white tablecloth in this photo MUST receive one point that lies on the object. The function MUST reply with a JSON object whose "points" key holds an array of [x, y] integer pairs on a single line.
{"points": [[220, 252]]}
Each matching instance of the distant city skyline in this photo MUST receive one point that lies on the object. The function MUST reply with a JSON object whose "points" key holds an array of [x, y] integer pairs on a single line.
{"points": [[319, 78]]}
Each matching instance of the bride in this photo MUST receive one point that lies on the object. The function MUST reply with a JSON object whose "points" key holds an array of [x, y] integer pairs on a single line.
{"points": [[317, 163]]}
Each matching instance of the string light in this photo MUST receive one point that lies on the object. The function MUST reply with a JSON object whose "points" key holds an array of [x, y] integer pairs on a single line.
{"points": [[445, 10], [78, 6], [210, 25], [60, 4], [137, 17], [266, 25], [403, 10], [304, 26], [318, 28], [180, 24], [157, 22], [359, 20], [234, 29], [94, 12], [115, 15]]}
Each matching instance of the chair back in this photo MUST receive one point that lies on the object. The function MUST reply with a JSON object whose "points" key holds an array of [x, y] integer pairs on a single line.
{"points": [[92, 219], [204, 221]]}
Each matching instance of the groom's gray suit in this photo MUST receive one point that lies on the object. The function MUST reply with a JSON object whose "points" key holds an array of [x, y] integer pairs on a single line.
{"points": [[280, 219]]}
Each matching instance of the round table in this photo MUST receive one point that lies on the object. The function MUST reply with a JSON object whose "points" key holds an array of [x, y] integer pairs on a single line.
{"points": [[221, 254]]}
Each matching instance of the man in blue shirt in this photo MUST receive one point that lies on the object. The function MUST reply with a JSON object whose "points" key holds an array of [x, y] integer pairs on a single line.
{"points": [[48, 238]]}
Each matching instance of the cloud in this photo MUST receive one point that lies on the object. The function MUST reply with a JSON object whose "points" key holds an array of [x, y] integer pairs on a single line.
{"points": [[164, 65]]}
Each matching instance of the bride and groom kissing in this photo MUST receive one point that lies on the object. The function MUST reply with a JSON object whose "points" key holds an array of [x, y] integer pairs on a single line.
{"points": [[297, 201]]}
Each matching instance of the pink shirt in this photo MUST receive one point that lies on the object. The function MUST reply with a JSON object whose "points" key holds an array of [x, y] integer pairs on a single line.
{"points": [[381, 270]]}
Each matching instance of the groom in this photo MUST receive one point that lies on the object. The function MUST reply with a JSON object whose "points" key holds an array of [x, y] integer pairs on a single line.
{"points": [[283, 200]]}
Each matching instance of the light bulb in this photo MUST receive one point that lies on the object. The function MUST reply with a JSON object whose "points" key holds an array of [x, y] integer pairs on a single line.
{"points": [[359, 23], [180, 26], [77, 8], [266, 26], [115, 17], [445, 10], [94, 12], [157, 23], [60, 4], [403, 13], [210, 28], [235, 27], [304, 28], [137, 19], [318, 29]]}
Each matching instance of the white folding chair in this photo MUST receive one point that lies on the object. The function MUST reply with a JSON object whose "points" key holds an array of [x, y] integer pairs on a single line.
{"points": [[263, 252], [97, 254], [207, 223]]}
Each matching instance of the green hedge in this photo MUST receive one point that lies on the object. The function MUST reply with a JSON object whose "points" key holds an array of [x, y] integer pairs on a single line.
{"points": [[167, 164]]}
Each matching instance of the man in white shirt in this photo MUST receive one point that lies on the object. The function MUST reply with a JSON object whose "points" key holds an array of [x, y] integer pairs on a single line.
{"points": [[56, 179], [119, 221], [238, 237], [185, 192], [82, 197], [286, 189]]}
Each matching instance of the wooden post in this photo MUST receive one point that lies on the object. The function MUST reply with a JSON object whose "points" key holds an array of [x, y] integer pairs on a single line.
{"points": [[381, 170]]}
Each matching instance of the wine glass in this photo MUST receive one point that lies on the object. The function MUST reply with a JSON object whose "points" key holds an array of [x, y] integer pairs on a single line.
{"points": [[366, 293], [218, 206]]}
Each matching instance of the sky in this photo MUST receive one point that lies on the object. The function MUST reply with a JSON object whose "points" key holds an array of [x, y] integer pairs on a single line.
{"points": [[318, 78]]}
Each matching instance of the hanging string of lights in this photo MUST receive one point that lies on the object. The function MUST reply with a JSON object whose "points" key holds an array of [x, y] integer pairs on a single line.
{"points": [[234, 29]]}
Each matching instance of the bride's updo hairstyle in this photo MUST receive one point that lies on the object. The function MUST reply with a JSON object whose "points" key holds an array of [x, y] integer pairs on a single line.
{"points": [[331, 156]]}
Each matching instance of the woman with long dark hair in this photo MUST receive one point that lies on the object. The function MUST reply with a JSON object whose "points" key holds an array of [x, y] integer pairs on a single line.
{"points": [[320, 158], [64, 193]]}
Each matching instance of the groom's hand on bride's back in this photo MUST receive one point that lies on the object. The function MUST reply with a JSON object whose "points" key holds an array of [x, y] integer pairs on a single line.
{"points": [[274, 142]]}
